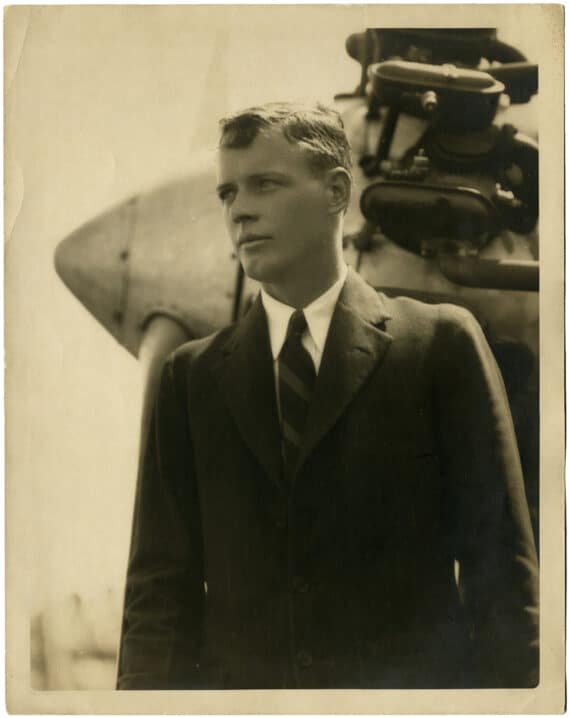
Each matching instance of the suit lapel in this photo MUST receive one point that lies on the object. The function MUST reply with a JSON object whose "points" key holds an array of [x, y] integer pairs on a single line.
{"points": [[248, 383], [355, 346]]}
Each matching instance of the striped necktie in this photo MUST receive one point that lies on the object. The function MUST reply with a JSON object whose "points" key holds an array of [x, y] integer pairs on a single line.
{"points": [[296, 381]]}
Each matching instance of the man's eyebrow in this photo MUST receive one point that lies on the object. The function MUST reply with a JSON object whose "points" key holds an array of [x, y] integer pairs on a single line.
{"points": [[267, 173], [252, 178]]}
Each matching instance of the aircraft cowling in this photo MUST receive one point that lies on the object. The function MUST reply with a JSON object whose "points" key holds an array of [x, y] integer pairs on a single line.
{"points": [[162, 252]]}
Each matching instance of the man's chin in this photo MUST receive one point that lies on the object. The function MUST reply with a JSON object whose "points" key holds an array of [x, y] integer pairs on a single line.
{"points": [[259, 270]]}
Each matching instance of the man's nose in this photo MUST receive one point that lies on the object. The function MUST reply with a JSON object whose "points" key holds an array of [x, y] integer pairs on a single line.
{"points": [[243, 216], [242, 210]]}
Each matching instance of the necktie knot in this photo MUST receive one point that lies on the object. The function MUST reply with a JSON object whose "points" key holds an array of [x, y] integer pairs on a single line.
{"points": [[297, 324]]}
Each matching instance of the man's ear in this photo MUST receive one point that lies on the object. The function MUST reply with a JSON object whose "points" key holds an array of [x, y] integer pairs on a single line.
{"points": [[339, 187]]}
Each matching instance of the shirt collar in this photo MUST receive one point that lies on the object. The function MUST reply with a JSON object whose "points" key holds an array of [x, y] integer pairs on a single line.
{"points": [[318, 315]]}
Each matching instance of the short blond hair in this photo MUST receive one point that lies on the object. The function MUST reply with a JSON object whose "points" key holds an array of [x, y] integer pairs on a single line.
{"points": [[316, 128]]}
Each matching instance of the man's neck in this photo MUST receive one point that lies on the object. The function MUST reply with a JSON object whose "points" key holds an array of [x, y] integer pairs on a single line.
{"points": [[305, 288]]}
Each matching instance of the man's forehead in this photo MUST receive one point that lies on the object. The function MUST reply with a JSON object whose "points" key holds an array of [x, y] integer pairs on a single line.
{"points": [[269, 151]]}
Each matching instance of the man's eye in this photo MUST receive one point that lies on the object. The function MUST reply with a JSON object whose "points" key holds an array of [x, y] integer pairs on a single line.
{"points": [[266, 184]]}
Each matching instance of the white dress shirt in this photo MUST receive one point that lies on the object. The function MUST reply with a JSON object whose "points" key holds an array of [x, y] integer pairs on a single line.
{"points": [[318, 315]]}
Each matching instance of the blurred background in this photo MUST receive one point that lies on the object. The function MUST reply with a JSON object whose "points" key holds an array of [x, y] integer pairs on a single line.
{"points": [[101, 103]]}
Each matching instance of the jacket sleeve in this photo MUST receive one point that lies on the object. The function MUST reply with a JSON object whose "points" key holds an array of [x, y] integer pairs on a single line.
{"points": [[164, 590], [485, 506]]}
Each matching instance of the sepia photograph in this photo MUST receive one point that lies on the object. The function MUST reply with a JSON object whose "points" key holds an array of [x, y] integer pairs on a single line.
{"points": [[284, 359]]}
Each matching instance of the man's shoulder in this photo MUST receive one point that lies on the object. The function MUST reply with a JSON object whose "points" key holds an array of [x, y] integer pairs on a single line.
{"points": [[413, 315], [203, 348], [445, 335]]}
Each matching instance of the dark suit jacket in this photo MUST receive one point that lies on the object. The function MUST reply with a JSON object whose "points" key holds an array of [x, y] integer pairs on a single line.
{"points": [[344, 576]]}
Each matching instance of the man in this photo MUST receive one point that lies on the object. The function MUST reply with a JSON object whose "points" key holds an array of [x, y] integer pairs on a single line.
{"points": [[332, 497]]}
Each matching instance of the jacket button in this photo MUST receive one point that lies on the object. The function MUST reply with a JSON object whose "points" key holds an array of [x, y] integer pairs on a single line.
{"points": [[304, 659], [299, 584]]}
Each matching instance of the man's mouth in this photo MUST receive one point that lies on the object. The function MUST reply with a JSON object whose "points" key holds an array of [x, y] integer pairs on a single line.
{"points": [[247, 239]]}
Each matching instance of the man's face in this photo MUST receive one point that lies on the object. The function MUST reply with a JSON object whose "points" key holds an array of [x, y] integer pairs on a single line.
{"points": [[276, 209]]}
